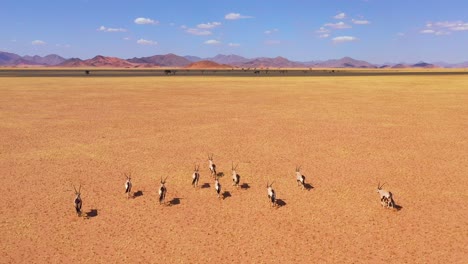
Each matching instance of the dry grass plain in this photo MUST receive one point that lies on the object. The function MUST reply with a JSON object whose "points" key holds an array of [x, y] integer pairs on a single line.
{"points": [[346, 132]]}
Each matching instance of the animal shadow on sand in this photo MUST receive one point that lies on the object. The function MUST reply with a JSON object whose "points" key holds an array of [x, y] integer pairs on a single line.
{"points": [[226, 194], [174, 201], [280, 202], [92, 213], [205, 185], [397, 207], [220, 174], [138, 194], [245, 186], [308, 186]]}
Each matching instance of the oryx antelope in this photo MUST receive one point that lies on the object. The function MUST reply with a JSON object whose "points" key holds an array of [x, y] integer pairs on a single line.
{"points": [[128, 185], [386, 197], [212, 166], [235, 176], [217, 187], [271, 194], [299, 177], [196, 176], [162, 191], [78, 202]]}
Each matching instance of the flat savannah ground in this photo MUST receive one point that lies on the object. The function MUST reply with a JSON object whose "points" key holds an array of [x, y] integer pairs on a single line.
{"points": [[347, 133]]}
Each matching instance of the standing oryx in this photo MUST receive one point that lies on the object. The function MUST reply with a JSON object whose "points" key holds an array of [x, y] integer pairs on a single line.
{"points": [[271, 194], [386, 197], [162, 191], [196, 176], [300, 178], [78, 202], [212, 166], [217, 187], [235, 176], [128, 185]]}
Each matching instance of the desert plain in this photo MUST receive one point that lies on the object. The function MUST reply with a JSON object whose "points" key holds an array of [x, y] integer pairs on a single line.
{"points": [[347, 132]]}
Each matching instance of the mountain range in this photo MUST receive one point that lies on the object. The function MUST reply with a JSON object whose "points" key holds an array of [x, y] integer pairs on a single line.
{"points": [[218, 61]]}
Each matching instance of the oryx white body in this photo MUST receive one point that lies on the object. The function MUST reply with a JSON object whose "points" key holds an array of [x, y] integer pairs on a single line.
{"points": [[235, 176], [300, 178], [162, 191], [128, 185], [195, 176], [386, 197], [77, 202], [212, 166], [217, 187], [271, 194]]}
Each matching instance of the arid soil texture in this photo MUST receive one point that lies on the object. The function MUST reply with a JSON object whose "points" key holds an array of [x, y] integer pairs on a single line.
{"points": [[347, 133]]}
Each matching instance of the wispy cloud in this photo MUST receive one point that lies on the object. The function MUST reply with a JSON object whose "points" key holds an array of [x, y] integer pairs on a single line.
{"points": [[106, 29], [339, 25], [322, 30], [198, 31], [145, 21], [38, 43], [147, 42], [324, 35], [271, 31], [212, 42], [427, 31], [340, 16], [233, 44], [343, 39], [235, 16], [209, 25], [444, 27], [360, 22]]}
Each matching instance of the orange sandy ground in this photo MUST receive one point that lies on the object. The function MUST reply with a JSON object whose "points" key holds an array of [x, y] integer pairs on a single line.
{"points": [[347, 133]]}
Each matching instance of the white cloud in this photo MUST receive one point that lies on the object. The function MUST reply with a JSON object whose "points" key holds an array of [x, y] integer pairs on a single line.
{"points": [[400, 34], [427, 31], [343, 39], [235, 16], [360, 22], [145, 21], [444, 27], [233, 44], [106, 29], [271, 31], [209, 25], [147, 42], [339, 25], [126, 38], [322, 30], [212, 42], [324, 36], [198, 32], [38, 42], [340, 16]]}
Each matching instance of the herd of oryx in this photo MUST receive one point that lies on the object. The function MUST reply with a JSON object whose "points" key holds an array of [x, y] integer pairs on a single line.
{"points": [[386, 197]]}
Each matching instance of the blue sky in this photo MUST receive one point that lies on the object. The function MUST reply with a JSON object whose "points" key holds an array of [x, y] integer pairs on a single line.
{"points": [[374, 30]]}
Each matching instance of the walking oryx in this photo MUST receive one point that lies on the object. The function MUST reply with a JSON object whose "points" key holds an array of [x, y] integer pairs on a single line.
{"points": [[162, 191], [271, 194], [128, 185], [78, 202], [235, 176], [299, 177], [217, 187], [196, 176], [386, 197], [212, 166]]}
